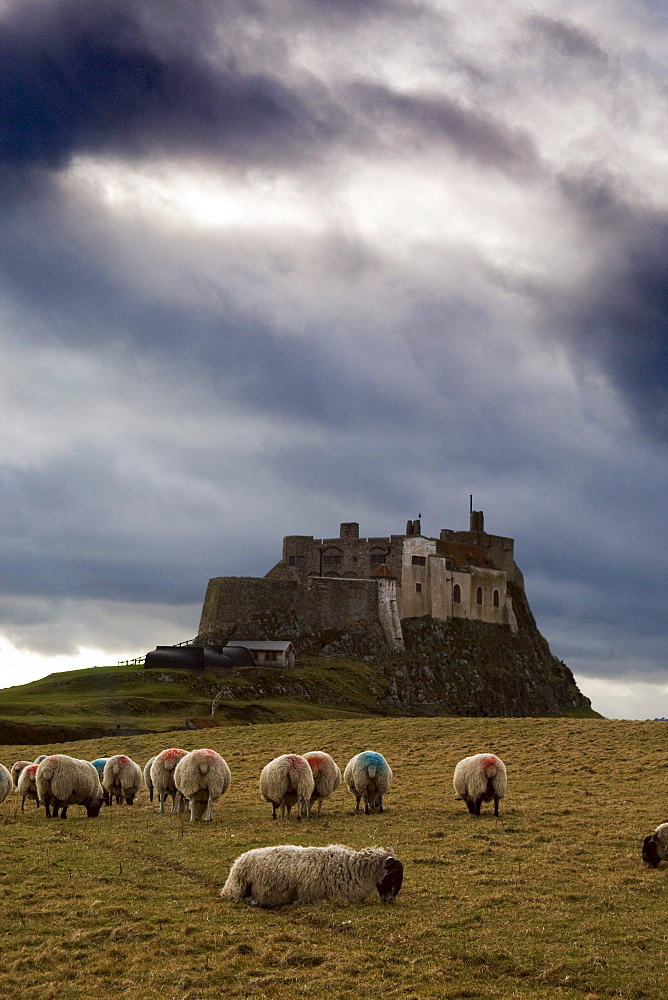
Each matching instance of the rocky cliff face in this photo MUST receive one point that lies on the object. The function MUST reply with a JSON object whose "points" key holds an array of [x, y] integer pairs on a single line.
{"points": [[455, 667]]}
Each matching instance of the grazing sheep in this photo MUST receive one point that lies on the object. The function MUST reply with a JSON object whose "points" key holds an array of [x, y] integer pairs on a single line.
{"points": [[38, 760], [655, 846], [275, 876], [6, 783], [287, 780], [202, 776], [368, 776], [16, 770], [479, 779], [27, 786], [162, 778], [122, 778], [147, 778], [63, 781], [326, 775], [99, 764]]}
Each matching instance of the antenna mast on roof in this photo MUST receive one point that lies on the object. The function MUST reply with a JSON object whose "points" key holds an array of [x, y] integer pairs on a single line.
{"points": [[470, 503]]}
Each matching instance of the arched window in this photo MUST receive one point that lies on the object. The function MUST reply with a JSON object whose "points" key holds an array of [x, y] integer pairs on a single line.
{"points": [[478, 595], [457, 594], [496, 598]]}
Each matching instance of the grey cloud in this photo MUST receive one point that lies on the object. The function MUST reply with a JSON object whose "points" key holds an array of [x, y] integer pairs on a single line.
{"points": [[567, 40]]}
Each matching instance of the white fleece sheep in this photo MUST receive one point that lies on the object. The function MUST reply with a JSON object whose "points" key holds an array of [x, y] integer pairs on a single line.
{"points": [[6, 783], [63, 781], [655, 846], [16, 770], [326, 775], [479, 779], [162, 778], [285, 781], [27, 786], [122, 778], [275, 876], [368, 777], [202, 776], [147, 778]]}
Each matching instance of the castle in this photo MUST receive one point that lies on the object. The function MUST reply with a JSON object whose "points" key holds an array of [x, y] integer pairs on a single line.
{"points": [[333, 582]]}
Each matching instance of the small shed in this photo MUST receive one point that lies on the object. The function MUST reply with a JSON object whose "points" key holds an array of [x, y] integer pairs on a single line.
{"points": [[268, 653]]}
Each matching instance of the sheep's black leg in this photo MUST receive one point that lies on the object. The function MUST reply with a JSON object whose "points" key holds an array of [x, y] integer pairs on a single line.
{"points": [[496, 805], [63, 812], [478, 803], [274, 814], [470, 805], [357, 807]]}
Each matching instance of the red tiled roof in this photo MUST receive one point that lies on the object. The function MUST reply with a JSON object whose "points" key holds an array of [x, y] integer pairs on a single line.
{"points": [[382, 572]]}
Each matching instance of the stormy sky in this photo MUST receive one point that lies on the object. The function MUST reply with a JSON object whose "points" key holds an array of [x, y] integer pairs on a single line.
{"points": [[270, 265]]}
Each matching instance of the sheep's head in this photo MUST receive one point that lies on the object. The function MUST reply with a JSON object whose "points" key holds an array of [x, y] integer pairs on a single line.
{"points": [[390, 883], [650, 851]]}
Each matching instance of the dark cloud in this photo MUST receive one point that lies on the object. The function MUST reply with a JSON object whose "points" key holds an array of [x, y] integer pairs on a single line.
{"points": [[567, 40]]}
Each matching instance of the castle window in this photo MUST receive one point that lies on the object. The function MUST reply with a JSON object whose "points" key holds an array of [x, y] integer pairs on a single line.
{"points": [[418, 588], [378, 558], [419, 561], [295, 560], [478, 595], [332, 560], [496, 598], [457, 594]]}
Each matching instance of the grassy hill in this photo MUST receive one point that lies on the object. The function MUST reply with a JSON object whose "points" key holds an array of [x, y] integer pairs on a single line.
{"points": [[551, 901]]}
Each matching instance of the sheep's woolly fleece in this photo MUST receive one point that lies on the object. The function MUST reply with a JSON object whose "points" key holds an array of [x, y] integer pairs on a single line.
{"points": [[276, 876], [655, 846]]}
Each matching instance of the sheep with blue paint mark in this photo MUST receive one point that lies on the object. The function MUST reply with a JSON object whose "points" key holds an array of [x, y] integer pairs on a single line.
{"points": [[479, 779], [27, 785], [277, 876], [99, 764], [287, 781], [368, 777], [163, 780], [326, 775], [202, 776], [6, 783], [122, 778]]}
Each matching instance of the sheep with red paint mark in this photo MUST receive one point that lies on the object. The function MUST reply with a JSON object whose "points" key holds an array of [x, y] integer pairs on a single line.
{"points": [[16, 769], [63, 781], [6, 783], [27, 785], [287, 781], [326, 776], [368, 777], [655, 846], [162, 778], [122, 778], [276, 876], [481, 778], [202, 776]]}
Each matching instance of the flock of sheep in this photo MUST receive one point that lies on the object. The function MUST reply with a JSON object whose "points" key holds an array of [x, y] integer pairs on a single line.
{"points": [[268, 876]]}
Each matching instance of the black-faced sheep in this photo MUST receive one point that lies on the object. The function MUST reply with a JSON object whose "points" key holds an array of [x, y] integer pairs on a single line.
{"points": [[27, 786], [655, 846], [285, 781], [16, 770], [6, 783], [99, 764], [275, 876], [162, 778], [122, 778], [326, 775], [368, 777], [479, 779], [202, 776], [63, 781]]}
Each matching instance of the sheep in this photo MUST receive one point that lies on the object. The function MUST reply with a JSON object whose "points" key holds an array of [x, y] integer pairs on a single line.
{"points": [[479, 779], [202, 776], [38, 760], [6, 783], [162, 778], [326, 775], [368, 776], [287, 780], [122, 778], [27, 785], [275, 876], [655, 846], [16, 770], [99, 764], [147, 778], [63, 781]]}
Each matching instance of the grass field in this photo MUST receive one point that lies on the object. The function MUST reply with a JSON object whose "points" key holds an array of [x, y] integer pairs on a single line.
{"points": [[552, 900]]}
